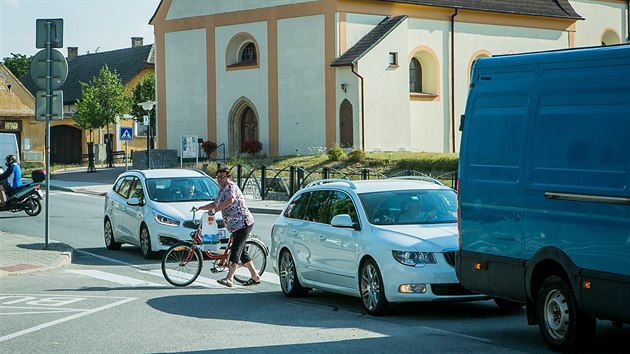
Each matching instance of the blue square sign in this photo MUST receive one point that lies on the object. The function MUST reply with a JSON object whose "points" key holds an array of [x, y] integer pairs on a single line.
{"points": [[126, 134]]}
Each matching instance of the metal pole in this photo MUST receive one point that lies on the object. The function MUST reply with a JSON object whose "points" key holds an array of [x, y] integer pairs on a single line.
{"points": [[126, 155], [148, 141], [48, 114]]}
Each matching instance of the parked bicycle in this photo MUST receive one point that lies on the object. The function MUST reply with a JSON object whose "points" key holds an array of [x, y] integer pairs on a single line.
{"points": [[182, 263]]}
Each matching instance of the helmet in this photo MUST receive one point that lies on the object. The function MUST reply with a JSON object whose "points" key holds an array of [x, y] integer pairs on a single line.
{"points": [[10, 159]]}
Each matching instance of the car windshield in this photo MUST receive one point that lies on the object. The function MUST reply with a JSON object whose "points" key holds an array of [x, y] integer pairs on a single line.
{"points": [[410, 207], [182, 189]]}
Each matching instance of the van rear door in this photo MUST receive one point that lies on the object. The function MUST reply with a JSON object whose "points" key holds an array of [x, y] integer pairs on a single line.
{"points": [[491, 193]]}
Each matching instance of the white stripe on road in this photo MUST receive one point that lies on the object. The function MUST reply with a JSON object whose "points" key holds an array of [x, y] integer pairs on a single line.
{"points": [[267, 277], [120, 279], [75, 316]]}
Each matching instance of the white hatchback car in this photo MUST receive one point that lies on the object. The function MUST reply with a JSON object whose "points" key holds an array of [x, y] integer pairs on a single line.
{"points": [[391, 240], [151, 208]]}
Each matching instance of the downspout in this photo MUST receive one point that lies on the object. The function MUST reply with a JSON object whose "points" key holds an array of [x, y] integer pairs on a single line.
{"points": [[362, 109], [453, 77], [628, 21]]}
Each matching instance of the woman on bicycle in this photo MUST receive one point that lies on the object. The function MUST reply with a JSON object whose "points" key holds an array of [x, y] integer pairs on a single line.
{"points": [[238, 220]]}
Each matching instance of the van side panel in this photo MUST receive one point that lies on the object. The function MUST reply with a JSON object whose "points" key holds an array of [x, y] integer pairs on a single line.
{"points": [[580, 145]]}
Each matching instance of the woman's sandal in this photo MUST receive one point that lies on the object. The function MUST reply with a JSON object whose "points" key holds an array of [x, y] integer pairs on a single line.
{"points": [[251, 282], [225, 282]]}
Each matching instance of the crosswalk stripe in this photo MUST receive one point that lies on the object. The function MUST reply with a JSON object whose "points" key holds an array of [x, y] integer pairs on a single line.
{"points": [[120, 279], [205, 282]]}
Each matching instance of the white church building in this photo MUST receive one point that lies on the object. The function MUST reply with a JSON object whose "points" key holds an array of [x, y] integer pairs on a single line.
{"points": [[377, 75]]}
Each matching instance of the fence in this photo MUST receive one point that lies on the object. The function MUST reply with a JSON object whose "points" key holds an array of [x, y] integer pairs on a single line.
{"points": [[269, 183]]}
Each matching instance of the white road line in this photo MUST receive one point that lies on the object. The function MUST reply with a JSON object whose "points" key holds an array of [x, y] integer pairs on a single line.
{"points": [[200, 281], [455, 334], [112, 260], [120, 279], [271, 277], [267, 277], [61, 320]]}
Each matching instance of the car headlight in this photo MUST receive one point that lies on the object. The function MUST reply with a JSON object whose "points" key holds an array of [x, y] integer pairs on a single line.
{"points": [[414, 258], [165, 220]]}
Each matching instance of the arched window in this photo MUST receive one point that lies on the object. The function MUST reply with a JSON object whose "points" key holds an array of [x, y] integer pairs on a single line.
{"points": [[248, 54], [415, 76], [242, 52], [610, 37]]}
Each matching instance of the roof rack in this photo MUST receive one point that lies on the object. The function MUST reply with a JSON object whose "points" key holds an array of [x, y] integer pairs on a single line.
{"points": [[419, 178], [332, 180]]}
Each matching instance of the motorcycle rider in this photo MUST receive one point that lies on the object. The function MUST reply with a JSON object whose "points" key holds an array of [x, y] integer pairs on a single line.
{"points": [[13, 176]]}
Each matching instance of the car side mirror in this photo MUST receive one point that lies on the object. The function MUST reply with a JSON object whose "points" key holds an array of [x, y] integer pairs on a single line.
{"points": [[135, 201], [344, 220]]}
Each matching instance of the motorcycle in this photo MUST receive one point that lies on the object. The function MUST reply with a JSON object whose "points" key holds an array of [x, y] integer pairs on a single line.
{"points": [[26, 197]]}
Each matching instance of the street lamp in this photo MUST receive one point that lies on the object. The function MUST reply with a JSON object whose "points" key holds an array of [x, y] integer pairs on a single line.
{"points": [[148, 106]]}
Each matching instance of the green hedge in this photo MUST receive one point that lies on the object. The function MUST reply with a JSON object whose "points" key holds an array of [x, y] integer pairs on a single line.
{"points": [[439, 163]]}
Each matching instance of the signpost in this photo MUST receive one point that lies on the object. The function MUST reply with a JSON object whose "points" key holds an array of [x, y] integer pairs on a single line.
{"points": [[190, 149], [49, 70], [126, 134]]}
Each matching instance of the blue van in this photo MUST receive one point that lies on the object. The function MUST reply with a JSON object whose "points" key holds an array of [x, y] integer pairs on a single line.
{"points": [[544, 188]]}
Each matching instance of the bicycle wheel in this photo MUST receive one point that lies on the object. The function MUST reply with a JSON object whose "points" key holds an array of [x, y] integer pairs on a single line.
{"points": [[182, 264], [258, 255]]}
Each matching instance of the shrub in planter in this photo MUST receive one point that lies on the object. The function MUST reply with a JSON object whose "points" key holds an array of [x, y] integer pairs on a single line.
{"points": [[252, 147], [356, 155], [209, 147], [335, 153]]}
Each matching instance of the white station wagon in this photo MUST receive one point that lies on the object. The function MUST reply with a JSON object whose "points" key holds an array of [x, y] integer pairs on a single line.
{"points": [[385, 241]]}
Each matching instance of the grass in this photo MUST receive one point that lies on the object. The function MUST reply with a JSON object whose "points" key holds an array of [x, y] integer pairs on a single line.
{"points": [[385, 163]]}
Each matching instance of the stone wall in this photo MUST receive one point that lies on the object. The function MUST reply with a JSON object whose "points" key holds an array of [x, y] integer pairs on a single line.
{"points": [[159, 159]]}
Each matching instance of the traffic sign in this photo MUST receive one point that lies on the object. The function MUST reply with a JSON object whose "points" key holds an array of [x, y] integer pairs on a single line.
{"points": [[56, 32], [56, 111], [58, 70], [126, 134]]}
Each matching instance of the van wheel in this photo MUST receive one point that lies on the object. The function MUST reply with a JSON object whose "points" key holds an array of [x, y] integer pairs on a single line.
{"points": [[563, 325], [507, 305]]}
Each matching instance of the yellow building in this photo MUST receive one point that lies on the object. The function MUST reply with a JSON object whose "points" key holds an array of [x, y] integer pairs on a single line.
{"points": [[68, 142]]}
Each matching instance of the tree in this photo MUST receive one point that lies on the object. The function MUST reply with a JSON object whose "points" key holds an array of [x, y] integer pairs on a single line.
{"points": [[103, 101], [19, 64], [142, 92]]}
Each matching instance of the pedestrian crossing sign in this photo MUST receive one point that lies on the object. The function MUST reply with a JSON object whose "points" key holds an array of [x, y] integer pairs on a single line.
{"points": [[126, 133]]}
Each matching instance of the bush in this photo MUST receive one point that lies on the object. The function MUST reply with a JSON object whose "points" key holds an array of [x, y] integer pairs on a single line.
{"points": [[335, 153], [356, 155], [438, 163], [208, 147], [252, 147]]}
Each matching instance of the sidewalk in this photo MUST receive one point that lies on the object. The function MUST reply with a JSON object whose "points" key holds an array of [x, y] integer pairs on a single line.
{"points": [[21, 254]]}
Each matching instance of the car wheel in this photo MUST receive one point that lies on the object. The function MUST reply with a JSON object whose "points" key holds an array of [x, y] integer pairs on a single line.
{"points": [[507, 305], [372, 289], [289, 281], [145, 243], [563, 325], [110, 241]]}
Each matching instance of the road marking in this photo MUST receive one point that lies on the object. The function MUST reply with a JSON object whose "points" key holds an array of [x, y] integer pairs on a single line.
{"points": [[120, 279], [123, 300], [270, 277], [455, 334]]}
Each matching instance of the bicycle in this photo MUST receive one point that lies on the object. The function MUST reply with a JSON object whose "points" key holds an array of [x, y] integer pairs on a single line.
{"points": [[182, 262]]}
